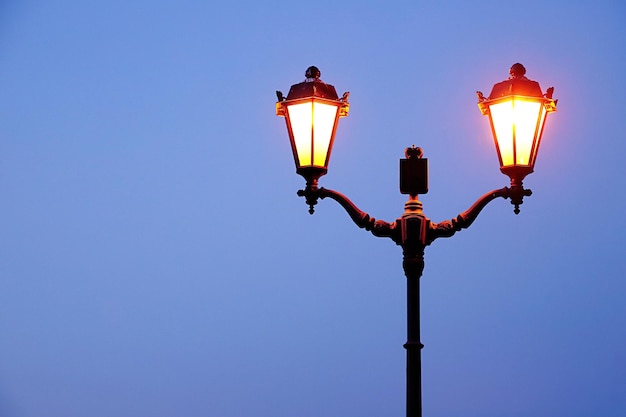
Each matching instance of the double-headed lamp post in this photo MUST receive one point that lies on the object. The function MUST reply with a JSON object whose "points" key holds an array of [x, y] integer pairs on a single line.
{"points": [[517, 111]]}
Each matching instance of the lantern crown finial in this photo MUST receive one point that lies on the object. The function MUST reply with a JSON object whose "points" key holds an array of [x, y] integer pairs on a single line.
{"points": [[517, 71], [312, 73]]}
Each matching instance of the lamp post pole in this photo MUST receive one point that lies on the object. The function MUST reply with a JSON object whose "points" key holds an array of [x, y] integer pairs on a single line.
{"points": [[413, 265], [517, 112]]}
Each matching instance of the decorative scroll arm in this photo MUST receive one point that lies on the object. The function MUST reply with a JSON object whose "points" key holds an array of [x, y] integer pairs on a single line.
{"points": [[378, 228], [464, 220]]}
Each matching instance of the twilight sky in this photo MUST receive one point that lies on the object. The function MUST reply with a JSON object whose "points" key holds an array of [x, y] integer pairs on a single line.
{"points": [[155, 260]]}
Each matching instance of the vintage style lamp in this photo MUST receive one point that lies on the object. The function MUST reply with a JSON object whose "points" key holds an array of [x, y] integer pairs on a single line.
{"points": [[517, 112]]}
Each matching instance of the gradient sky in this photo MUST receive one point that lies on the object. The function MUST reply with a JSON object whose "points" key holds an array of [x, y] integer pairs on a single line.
{"points": [[155, 260]]}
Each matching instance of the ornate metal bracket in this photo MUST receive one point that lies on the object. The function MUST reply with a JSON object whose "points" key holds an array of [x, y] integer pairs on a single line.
{"points": [[403, 230], [378, 228], [464, 220], [393, 230]]}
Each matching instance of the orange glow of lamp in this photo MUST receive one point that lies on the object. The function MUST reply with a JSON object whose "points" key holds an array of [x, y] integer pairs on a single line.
{"points": [[517, 111], [312, 110]]}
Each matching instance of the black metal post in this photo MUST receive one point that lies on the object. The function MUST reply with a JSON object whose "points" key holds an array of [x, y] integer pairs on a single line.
{"points": [[414, 229], [413, 264]]}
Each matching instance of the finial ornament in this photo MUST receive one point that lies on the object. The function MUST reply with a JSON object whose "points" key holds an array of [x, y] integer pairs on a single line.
{"points": [[413, 152], [517, 71], [312, 73]]}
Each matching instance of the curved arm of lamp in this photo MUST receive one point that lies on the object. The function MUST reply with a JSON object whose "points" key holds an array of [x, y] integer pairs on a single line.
{"points": [[464, 220], [378, 228]]}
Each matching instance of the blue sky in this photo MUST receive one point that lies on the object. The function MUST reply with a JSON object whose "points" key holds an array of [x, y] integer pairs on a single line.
{"points": [[156, 261]]}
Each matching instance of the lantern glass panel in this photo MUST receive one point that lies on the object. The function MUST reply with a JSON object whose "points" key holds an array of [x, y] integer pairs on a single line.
{"points": [[501, 116], [515, 123], [542, 119], [312, 124]]}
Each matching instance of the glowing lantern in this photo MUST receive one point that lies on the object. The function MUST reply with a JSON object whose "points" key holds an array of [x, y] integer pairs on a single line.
{"points": [[517, 111], [312, 110]]}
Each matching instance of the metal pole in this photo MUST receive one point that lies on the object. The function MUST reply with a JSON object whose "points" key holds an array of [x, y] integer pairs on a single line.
{"points": [[413, 266]]}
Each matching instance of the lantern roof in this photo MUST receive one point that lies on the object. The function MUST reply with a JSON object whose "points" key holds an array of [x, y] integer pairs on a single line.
{"points": [[517, 84], [313, 86]]}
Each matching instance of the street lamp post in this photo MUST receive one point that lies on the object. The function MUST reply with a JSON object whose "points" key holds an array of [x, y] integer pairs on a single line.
{"points": [[517, 111]]}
